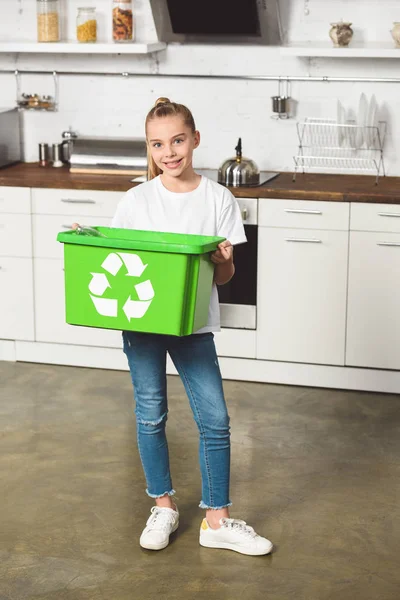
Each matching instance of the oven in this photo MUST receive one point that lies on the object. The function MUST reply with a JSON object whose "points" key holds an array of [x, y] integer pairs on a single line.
{"points": [[238, 297]]}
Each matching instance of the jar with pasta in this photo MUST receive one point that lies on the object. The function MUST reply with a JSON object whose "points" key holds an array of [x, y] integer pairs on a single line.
{"points": [[48, 20], [122, 21], [86, 25]]}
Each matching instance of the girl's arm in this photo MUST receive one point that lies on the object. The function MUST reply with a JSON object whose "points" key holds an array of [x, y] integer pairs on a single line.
{"points": [[223, 260]]}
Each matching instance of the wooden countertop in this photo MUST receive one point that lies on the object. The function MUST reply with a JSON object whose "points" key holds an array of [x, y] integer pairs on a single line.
{"points": [[325, 187]]}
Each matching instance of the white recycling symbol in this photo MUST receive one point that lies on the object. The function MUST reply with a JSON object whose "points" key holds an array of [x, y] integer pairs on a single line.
{"points": [[108, 307]]}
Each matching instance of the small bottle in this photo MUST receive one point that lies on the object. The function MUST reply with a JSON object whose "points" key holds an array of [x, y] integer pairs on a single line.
{"points": [[122, 21], [86, 25], [48, 20]]}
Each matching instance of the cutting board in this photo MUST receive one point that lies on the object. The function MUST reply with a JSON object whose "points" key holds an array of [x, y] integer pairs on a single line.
{"points": [[105, 171]]}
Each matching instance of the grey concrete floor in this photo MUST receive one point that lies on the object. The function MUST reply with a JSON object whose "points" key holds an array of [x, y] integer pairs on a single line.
{"points": [[316, 471]]}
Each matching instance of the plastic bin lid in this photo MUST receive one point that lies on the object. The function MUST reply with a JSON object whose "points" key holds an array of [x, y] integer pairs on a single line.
{"points": [[135, 239]]}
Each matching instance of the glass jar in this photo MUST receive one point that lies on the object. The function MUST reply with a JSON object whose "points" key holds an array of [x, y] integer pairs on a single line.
{"points": [[122, 21], [86, 25], [48, 20]]}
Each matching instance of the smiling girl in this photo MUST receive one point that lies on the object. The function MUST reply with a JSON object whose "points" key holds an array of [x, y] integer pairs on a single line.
{"points": [[177, 199]]}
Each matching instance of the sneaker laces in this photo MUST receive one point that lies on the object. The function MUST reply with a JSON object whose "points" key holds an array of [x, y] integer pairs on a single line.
{"points": [[161, 518], [239, 526]]}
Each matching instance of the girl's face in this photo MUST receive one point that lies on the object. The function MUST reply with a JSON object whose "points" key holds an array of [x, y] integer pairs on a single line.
{"points": [[171, 144]]}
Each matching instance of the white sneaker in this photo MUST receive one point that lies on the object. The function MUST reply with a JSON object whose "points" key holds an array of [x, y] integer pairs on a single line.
{"points": [[161, 523], [234, 535]]}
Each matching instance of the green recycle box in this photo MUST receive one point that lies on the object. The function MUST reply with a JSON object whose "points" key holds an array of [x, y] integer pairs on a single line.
{"points": [[135, 280]]}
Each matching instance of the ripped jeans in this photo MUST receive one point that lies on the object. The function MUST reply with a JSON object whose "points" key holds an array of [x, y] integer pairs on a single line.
{"points": [[195, 359]]}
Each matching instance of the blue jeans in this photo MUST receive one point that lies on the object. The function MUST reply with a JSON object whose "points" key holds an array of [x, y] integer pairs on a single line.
{"points": [[195, 359]]}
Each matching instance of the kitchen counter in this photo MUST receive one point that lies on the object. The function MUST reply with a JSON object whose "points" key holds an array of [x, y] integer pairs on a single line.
{"points": [[325, 187]]}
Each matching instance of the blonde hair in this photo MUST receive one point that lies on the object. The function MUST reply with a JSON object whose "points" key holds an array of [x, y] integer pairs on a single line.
{"points": [[163, 107]]}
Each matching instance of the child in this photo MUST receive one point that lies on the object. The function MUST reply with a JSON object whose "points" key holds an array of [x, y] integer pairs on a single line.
{"points": [[176, 199]]}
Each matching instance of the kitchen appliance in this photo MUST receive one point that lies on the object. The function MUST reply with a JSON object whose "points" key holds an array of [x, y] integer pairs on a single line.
{"points": [[238, 297], [10, 136], [218, 21], [239, 170], [68, 138], [109, 156]]}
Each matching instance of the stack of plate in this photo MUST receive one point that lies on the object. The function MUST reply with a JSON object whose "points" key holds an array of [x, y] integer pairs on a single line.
{"points": [[360, 130]]}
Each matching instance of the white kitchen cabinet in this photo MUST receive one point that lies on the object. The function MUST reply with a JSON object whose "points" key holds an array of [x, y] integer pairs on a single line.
{"points": [[303, 214], [373, 322], [15, 235], [15, 200], [302, 286], [16, 279], [50, 322], [88, 203], [16, 299]]}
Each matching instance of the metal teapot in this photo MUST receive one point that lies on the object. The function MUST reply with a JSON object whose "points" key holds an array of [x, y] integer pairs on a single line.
{"points": [[239, 171]]}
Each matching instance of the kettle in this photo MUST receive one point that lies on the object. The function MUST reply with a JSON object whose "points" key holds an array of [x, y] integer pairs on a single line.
{"points": [[239, 171]]}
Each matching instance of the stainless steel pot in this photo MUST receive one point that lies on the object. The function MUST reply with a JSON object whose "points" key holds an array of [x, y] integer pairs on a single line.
{"points": [[239, 171]]}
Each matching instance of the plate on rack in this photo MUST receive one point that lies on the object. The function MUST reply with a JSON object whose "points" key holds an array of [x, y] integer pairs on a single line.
{"points": [[372, 124], [352, 127], [341, 120], [362, 117]]}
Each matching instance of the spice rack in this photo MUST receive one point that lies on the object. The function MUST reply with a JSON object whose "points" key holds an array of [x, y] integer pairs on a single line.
{"points": [[34, 101], [325, 145]]}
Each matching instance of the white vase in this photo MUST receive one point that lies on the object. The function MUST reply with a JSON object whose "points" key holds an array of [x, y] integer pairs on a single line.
{"points": [[395, 31]]}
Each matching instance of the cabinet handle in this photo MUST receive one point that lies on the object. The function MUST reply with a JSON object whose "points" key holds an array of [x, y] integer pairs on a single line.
{"points": [[309, 240], [77, 201], [388, 243], [245, 214], [388, 214], [303, 211]]}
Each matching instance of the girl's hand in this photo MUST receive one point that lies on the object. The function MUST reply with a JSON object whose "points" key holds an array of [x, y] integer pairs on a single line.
{"points": [[224, 254], [75, 225]]}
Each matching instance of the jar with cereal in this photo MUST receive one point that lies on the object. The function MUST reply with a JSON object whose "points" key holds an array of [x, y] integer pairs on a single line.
{"points": [[86, 25], [48, 20], [122, 21]]}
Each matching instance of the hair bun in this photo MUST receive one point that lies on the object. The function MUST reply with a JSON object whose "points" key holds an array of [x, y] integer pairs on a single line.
{"points": [[160, 101]]}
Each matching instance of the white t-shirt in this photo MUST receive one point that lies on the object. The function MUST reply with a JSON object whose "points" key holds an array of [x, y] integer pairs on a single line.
{"points": [[210, 209]]}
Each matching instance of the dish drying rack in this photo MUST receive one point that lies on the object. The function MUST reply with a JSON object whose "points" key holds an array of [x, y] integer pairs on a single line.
{"points": [[325, 144]]}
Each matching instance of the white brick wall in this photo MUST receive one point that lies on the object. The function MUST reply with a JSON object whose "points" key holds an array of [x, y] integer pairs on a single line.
{"points": [[224, 110]]}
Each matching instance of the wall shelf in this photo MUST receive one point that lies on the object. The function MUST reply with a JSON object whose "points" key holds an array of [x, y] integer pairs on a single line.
{"points": [[326, 49], [80, 48]]}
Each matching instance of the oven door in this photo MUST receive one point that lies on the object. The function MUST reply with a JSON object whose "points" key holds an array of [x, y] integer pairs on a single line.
{"points": [[238, 297]]}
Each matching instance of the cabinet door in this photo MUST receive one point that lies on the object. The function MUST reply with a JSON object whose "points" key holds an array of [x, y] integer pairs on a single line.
{"points": [[15, 200], [302, 286], [50, 311], [16, 299], [373, 321], [15, 235]]}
